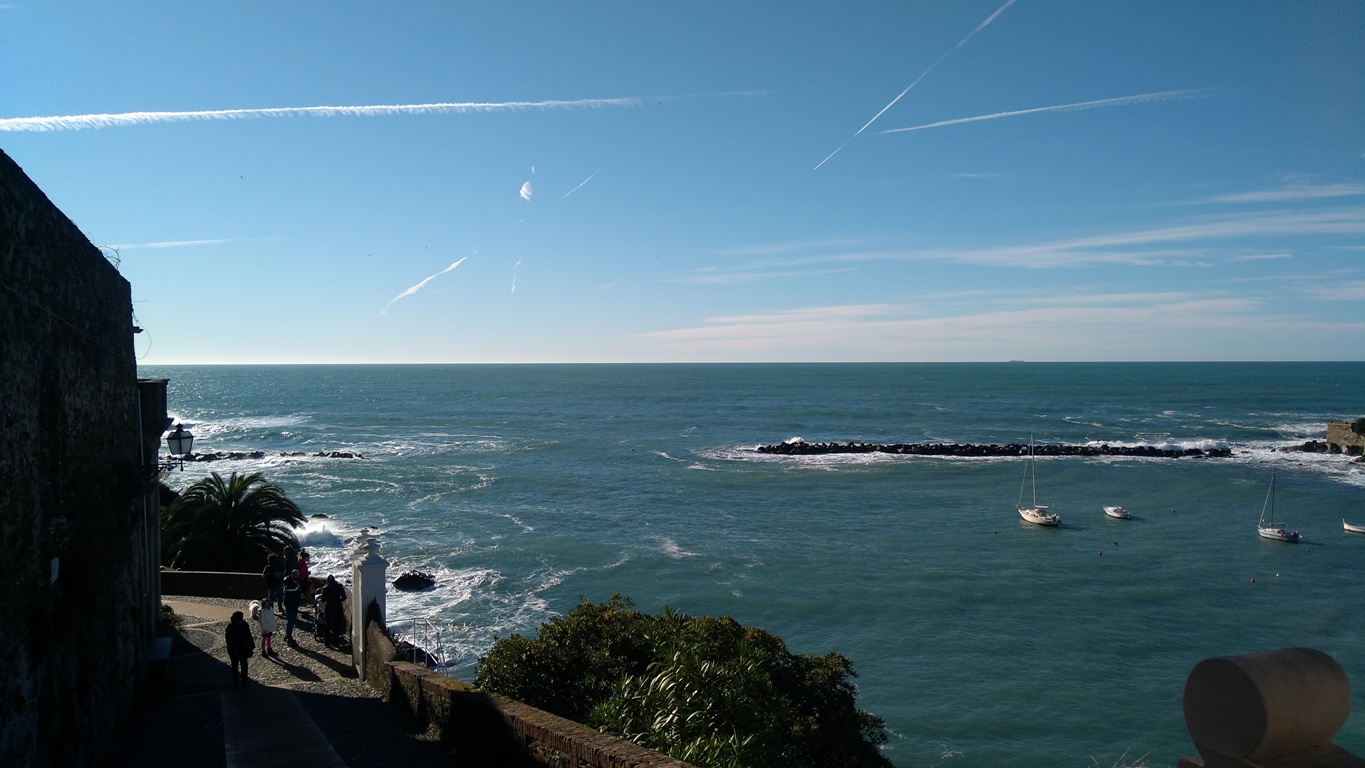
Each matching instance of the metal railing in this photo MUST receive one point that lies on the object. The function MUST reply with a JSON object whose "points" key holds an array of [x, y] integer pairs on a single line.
{"points": [[427, 642]]}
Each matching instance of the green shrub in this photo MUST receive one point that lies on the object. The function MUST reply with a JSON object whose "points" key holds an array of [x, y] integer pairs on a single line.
{"points": [[710, 691]]}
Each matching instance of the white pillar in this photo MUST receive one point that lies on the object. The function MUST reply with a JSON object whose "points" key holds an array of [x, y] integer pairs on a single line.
{"points": [[369, 581]]}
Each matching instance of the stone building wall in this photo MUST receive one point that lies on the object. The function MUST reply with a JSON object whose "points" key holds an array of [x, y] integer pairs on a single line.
{"points": [[72, 590], [1341, 438]]}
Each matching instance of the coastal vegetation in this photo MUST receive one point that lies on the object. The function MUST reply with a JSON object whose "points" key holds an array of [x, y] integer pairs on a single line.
{"points": [[228, 525], [709, 691]]}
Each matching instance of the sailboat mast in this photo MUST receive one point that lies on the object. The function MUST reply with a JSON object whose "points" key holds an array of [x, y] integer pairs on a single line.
{"points": [[1033, 470], [1269, 501]]}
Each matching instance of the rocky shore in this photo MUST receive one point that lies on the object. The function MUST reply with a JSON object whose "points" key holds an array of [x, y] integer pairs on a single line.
{"points": [[798, 447], [1320, 446]]}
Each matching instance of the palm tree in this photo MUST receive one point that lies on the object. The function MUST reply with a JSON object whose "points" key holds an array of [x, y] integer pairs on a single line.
{"points": [[224, 525]]}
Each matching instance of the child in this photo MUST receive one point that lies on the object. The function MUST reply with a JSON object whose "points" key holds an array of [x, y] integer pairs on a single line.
{"points": [[269, 623], [240, 645]]}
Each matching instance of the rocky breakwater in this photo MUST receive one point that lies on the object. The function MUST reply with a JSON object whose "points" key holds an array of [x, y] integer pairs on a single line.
{"points": [[241, 455], [799, 447]]}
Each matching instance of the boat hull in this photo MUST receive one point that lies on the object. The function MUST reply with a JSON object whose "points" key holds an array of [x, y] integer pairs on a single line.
{"points": [[1040, 516], [1278, 534], [1117, 512], [1352, 528]]}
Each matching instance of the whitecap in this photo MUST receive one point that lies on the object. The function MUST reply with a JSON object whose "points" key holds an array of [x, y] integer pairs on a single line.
{"points": [[672, 550]]}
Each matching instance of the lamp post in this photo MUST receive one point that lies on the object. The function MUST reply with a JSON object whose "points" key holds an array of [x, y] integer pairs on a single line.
{"points": [[179, 441]]}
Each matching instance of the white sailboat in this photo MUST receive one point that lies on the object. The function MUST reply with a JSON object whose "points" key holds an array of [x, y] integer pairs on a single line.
{"points": [[1036, 514], [1273, 530]]}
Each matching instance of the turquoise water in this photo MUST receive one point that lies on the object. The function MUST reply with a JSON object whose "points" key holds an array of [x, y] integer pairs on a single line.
{"points": [[981, 640]]}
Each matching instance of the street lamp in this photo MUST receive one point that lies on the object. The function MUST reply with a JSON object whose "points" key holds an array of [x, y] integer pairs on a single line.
{"points": [[179, 441]]}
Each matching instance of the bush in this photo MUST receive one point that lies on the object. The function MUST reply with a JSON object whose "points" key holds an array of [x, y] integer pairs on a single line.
{"points": [[710, 691]]}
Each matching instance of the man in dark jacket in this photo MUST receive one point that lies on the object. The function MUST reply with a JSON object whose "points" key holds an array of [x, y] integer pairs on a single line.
{"points": [[333, 595], [292, 598], [240, 646]]}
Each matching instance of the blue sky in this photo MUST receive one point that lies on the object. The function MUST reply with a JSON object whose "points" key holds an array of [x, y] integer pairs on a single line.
{"points": [[708, 181]]}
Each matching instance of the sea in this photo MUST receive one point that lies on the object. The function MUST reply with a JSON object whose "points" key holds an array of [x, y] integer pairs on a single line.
{"points": [[981, 640]]}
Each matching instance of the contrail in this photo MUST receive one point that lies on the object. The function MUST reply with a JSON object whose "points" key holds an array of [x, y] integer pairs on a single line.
{"points": [[419, 286], [1080, 105], [84, 122], [582, 183], [940, 59], [514, 278]]}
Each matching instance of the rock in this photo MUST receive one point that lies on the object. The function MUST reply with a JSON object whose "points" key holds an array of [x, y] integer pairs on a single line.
{"points": [[413, 580]]}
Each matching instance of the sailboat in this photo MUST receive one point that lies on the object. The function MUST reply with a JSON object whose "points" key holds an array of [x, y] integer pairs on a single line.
{"points": [[1273, 530], [1036, 514]]}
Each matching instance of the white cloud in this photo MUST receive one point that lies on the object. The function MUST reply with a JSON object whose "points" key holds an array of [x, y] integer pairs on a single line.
{"points": [[1293, 192], [1157, 326], [1349, 290]]}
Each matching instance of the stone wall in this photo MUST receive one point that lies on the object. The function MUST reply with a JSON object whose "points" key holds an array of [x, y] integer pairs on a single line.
{"points": [[244, 586], [490, 730], [73, 589]]}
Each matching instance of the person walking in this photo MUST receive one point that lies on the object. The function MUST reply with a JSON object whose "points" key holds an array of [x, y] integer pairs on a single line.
{"points": [[293, 595], [240, 646], [333, 596], [273, 576], [269, 623]]}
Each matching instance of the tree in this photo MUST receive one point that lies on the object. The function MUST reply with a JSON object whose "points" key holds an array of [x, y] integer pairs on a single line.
{"points": [[709, 691], [228, 525], [1358, 427]]}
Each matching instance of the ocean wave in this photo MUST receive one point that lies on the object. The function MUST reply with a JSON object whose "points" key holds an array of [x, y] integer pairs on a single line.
{"points": [[1168, 444], [525, 527], [664, 455], [435, 444], [237, 424], [671, 549]]}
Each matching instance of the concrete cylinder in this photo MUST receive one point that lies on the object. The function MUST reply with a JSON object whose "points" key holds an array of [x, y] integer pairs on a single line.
{"points": [[1266, 705]]}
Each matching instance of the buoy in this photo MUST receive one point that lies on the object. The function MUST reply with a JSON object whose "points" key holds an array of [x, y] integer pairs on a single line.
{"points": [[1253, 581], [1101, 553]]}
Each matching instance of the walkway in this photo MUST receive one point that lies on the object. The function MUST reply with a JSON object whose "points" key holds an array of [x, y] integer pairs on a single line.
{"points": [[303, 708]]}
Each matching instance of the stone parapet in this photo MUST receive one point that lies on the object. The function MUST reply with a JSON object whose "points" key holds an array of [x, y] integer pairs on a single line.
{"points": [[246, 586], [498, 731], [490, 730]]}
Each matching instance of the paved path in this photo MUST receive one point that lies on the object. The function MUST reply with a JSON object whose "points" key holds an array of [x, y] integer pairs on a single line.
{"points": [[303, 709], [253, 726]]}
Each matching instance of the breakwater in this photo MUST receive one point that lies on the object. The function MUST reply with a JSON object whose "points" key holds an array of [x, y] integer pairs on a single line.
{"points": [[798, 447]]}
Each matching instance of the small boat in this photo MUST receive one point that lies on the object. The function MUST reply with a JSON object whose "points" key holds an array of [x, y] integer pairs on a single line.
{"points": [[1117, 512], [1036, 514], [1352, 528], [1274, 530]]}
